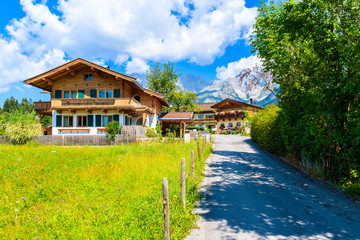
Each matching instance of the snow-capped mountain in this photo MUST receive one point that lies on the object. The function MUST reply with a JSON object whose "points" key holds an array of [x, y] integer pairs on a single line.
{"points": [[211, 92], [234, 89]]}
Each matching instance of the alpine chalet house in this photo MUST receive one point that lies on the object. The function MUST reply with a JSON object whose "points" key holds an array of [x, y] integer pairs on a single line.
{"points": [[85, 97]]}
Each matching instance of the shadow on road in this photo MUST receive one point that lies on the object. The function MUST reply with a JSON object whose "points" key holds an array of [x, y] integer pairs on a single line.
{"points": [[254, 193]]}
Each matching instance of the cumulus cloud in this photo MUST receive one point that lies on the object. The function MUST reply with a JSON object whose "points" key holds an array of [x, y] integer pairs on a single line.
{"points": [[234, 68], [136, 65], [130, 32]]}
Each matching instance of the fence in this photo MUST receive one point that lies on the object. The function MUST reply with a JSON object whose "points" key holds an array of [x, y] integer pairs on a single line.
{"points": [[139, 131], [78, 140]]}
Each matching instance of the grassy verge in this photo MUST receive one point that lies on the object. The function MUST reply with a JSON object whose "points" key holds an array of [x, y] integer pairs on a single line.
{"points": [[49, 192]]}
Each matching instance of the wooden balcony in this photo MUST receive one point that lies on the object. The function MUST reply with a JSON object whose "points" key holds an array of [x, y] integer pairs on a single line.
{"points": [[89, 104], [229, 116], [42, 106], [206, 119]]}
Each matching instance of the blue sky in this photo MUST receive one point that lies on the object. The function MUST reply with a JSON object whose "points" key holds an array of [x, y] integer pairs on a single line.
{"points": [[202, 37]]}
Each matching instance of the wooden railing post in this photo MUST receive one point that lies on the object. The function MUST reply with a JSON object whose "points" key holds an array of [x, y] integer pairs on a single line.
{"points": [[192, 164], [183, 191], [166, 209]]}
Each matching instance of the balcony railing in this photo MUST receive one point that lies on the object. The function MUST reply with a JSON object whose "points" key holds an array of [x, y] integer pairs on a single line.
{"points": [[87, 102], [231, 115], [42, 106]]}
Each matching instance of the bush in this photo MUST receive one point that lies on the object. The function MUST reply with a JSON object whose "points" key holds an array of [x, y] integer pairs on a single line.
{"points": [[195, 128], [22, 126], [266, 130], [112, 129], [150, 132]]}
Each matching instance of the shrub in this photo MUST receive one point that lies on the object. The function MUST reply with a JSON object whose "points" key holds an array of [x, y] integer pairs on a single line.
{"points": [[150, 132], [196, 128], [22, 126], [266, 130], [112, 129]]}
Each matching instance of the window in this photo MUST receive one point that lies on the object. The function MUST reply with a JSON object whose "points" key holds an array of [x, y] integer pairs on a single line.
{"points": [[73, 94], [66, 94], [82, 121], [238, 124], [68, 121], [105, 93], [253, 111], [107, 119], [88, 77], [222, 125], [108, 93], [230, 124]]}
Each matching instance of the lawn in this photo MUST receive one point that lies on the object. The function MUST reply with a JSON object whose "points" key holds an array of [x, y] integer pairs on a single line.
{"points": [[50, 192]]}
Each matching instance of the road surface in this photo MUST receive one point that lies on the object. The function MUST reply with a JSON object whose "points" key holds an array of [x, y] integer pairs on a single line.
{"points": [[251, 195]]}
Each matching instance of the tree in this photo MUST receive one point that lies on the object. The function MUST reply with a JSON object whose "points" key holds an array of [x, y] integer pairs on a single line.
{"points": [[162, 79], [257, 76], [181, 101], [312, 49], [21, 126], [10, 105]]}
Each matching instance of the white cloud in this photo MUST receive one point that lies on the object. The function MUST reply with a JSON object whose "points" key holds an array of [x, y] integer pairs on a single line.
{"points": [[131, 32], [234, 68], [136, 65]]}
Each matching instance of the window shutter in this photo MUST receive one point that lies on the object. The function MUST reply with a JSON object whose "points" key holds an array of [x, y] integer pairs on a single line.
{"points": [[93, 93], [97, 120], [90, 120], [58, 94], [116, 117], [116, 93], [81, 93], [58, 121]]}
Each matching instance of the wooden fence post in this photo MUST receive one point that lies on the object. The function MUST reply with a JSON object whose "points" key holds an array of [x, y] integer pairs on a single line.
{"points": [[183, 190], [192, 164], [199, 155], [204, 144], [166, 209]]}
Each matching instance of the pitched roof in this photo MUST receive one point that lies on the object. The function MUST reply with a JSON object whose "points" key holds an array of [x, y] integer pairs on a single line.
{"points": [[45, 80], [231, 103], [176, 116], [206, 107]]}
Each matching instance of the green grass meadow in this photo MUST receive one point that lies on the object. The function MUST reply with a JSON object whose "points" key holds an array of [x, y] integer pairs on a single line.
{"points": [[50, 192]]}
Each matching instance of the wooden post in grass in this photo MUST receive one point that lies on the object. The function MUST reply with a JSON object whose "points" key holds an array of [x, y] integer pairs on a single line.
{"points": [[199, 155], [183, 192], [204, 144], [166, 209], [192, 164]]}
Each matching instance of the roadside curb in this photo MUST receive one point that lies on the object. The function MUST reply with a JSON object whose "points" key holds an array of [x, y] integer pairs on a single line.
{"points": [[306, 174]]}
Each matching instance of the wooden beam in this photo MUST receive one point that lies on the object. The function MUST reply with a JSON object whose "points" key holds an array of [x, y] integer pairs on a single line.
{"points": [[89, 110], [144, 119], [72, 72], [73, 111], [50, 82], [118, 78], [96, 72], [105, 110]]}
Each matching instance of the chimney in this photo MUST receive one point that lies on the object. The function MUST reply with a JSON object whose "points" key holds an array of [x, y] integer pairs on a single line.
{"points": [[251, 101]]}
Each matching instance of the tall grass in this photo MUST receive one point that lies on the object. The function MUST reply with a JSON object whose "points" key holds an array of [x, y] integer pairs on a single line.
{"points": [[49, 192]]}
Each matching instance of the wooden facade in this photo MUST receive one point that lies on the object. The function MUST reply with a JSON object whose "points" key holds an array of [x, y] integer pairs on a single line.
{"points": [[86, 96], [225, 114]]}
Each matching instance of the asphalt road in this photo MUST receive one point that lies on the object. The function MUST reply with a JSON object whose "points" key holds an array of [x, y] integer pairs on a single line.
{"points": [[251, 195]]}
